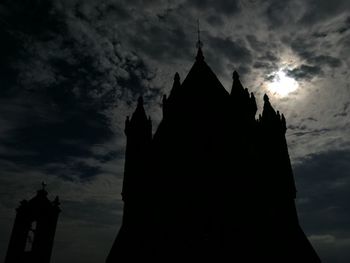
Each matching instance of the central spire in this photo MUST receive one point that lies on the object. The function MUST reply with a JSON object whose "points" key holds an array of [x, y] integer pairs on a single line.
{"points": [[199, 44]]}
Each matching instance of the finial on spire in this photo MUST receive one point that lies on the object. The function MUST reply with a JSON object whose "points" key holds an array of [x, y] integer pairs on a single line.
{"points": [[140, 101], [43, 185], [199, 44]]}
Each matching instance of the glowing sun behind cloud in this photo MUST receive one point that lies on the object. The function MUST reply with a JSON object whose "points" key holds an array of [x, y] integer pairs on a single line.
{"points": [[281, 84]]}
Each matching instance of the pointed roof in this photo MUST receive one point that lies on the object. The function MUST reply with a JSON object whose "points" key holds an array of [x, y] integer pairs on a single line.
{"points": [[201, 92], [139, 114], [269, 112], [201, 78], [139, 122], [272, 117], [176, 85], [236, 85]]}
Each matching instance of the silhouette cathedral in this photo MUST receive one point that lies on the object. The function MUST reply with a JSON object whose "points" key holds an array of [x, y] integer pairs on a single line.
{"points": [[213, 184], [34, 230]]}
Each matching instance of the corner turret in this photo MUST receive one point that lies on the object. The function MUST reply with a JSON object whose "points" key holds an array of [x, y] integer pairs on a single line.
{"points": [[176, 85], [272, 119], [237, 88], [272, 129], [243, 102], [139, 125], [168, 102], [138, 130]]}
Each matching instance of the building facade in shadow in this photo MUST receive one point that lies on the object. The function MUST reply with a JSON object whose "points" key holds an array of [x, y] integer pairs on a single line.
{"points": [[34, 230], [213, 183]]}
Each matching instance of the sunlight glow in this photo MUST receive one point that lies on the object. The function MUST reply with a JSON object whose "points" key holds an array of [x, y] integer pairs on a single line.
{"points": [[282, 84]]}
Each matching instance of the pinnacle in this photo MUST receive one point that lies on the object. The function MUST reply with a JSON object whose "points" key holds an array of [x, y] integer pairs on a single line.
{"points": [[235, 75], [266, 98], [200, 56], [177, 77]]}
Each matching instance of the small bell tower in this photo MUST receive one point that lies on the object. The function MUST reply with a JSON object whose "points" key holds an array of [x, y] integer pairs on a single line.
{"points": [[34, 229]]}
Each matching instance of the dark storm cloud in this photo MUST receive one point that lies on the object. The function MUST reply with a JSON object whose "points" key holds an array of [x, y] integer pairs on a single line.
{"points": [[345, 110], [315, 60], [162, 41], [302, 131], [226, 8], [305, 48], [104, 10], [277, 11], [266, 66], [324, 60], [319, 34], [81, 54], [255, 43], [285, 13], [261, 64], [269, 56], [320, 10], [265, 56], [233, 50], [305, 72], [215, 20], [341, 27], [344, 28], [78, 72]]}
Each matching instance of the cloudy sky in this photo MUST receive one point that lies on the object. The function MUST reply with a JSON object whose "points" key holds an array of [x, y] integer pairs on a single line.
{"points": [[71, 71]]}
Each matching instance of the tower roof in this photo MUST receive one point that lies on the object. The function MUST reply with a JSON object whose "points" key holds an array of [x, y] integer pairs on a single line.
{"points": [[200, 95], [139, 123], [201, 79], [139, 114]]}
